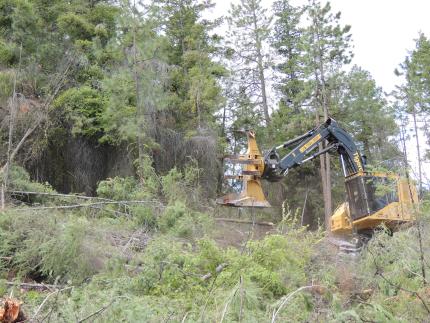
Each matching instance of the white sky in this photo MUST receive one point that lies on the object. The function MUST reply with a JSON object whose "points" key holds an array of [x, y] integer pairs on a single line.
{"points": [[383, 31]]}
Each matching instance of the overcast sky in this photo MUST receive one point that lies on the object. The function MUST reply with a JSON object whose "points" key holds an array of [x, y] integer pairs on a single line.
{"points": [[383, 31]]}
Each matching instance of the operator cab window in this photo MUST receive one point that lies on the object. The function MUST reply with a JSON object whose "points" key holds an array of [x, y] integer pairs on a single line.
{"points": [[369, 194]]}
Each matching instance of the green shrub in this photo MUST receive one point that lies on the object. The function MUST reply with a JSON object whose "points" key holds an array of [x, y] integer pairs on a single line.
{"points": [[173, 187], [70, 255], [7, 53], [144, 216], [118, 188], [184, 222], [146, 186], [55, 246], [148, 177], [83, 106], [172, 214], [182, 186], [209, 255], [19, 180]]}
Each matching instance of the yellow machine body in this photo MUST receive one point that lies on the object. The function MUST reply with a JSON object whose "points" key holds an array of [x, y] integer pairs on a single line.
{"points": [[251, 194], [373, 198], [394, 208], [340, 220]]}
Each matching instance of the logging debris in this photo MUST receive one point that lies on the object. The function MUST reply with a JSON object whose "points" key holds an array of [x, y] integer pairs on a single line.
{"points": [[10, 310]]}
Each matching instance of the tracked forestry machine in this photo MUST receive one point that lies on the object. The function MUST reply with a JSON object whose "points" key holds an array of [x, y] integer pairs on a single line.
{"points": [[373, 198]]}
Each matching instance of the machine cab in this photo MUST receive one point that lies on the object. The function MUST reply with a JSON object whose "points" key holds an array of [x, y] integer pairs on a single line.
{"points": [[367, 193]]}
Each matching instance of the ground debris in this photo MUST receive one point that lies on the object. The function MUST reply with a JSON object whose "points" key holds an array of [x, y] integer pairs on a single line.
{"points": [[10, 310]]}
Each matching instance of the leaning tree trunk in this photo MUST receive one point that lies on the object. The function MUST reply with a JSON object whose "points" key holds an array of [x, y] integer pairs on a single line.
{"points": [[420, 176]]}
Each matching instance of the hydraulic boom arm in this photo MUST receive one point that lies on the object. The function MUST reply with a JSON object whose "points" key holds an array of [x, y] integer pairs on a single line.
{"points": [[303, 150]]}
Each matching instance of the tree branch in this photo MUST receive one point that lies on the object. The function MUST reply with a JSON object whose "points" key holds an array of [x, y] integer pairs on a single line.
{"points": [[45, 300], [290, 295], [379, 273], [102, 309]]}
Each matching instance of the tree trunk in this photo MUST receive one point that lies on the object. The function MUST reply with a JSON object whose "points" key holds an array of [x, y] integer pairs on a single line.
{"points": [[139, 108], [2, 199], [12, 110], [327, 201], [420, 178], [12, 114], [418, 224], [260, 67], [263, 89], [326, 156], [323, 174]]}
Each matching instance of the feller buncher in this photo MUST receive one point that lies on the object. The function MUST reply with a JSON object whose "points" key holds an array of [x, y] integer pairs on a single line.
{"points": [[373, 198]]}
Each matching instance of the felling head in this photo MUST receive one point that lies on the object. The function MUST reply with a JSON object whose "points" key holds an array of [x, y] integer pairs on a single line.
{"points": [[251, 194]]}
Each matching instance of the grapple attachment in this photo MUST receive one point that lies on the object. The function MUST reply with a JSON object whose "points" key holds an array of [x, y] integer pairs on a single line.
{"points": [[253, 166]]}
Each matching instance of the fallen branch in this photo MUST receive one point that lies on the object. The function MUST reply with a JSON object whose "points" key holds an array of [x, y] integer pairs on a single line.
{"points": [[75, 206], [2, 198], [117, 213], [72, 196], [185, 317], [58, 195], [132, 237], [34, 285], [245, 221], [45, 300], [211, 289], [100, 310], [134, 269], [290, 295]]}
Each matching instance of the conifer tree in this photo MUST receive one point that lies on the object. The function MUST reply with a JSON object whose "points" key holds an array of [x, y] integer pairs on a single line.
{"points": [[136, 84], [287, 38], [195, 92], [368, 116], [327, 47], [415, 93], [249, 26]]}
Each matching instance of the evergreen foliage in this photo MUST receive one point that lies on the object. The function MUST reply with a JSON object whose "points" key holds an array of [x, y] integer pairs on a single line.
{"points": [[143, 95]]}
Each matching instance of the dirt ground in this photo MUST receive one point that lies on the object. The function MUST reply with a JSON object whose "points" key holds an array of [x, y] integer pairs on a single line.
{"points": [[235, 234]]}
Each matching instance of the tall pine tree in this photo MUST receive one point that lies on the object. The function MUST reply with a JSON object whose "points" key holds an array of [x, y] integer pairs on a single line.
{"points": [[415, 94], [327, 47], [196, 94], [249, 30]]}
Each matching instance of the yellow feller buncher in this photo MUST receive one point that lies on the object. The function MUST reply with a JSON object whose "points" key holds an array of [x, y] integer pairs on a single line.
{"points": [[373, 198]]}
